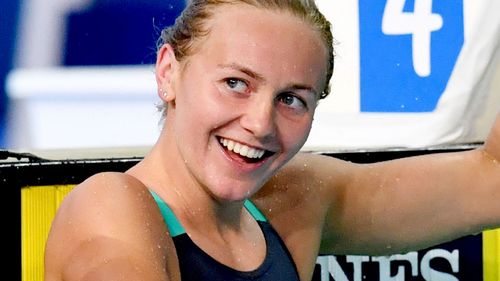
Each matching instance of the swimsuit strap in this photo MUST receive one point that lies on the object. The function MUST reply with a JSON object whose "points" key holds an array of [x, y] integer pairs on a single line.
{"points": [[174, 226], [254, 211]]}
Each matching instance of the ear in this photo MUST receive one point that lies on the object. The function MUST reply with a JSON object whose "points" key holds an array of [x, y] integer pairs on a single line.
{"points": [[166, 68]]}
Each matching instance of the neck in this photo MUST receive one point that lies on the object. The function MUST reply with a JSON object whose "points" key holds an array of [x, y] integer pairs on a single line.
{"points": [[163, 170]]}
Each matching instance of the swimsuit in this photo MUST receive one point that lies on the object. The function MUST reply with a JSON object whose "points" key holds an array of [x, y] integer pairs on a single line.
{"points": [[195, 264]]}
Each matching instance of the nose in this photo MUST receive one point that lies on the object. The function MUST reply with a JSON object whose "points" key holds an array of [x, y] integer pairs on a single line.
{"points": [[259, 118]]}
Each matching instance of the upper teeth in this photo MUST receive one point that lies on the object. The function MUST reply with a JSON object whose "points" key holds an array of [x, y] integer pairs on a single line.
{"points": [[242, 149]]}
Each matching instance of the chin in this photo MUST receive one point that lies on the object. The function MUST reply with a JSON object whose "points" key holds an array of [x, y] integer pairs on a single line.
{"points": [[233, 192]]}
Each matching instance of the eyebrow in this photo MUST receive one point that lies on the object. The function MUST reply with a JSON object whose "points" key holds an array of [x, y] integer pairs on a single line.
{"points": [[260, 77], [305, 88], [243, 69]]}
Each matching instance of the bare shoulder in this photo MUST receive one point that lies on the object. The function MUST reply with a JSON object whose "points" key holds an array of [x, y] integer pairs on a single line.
{"points": [[309, 175], [109, 196], [107, 190], [106, 224], [297, 200]]}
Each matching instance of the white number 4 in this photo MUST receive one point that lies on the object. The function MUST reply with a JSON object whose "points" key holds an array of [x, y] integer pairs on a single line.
{"points": [[419, 24]]}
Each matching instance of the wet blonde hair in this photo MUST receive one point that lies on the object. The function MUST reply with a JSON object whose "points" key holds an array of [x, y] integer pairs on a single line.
{"points": [[191, 26]]}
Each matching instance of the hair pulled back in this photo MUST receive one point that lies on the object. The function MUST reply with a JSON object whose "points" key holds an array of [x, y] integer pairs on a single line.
{"points": [[191, 25]]}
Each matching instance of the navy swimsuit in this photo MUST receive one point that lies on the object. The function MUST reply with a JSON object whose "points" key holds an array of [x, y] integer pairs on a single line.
{"points": [[195, 264]]}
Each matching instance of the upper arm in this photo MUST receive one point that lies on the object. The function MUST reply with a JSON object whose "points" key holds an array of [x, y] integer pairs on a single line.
{"points": [[106, 227], [385, 207], [412, 203]]}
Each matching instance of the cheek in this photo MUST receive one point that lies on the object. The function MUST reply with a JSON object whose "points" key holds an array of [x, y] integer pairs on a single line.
{"points": [[294, 134], [201, 106]]}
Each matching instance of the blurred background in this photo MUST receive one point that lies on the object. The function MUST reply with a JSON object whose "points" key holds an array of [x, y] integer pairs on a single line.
{"points": [[79, 73], [53, 48]]}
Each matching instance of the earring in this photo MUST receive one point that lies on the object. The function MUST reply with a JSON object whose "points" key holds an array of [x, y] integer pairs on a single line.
{"points": [[164, 93]]}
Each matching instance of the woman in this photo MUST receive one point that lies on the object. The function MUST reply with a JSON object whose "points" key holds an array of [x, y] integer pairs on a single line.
{"points": [[240, 81]]}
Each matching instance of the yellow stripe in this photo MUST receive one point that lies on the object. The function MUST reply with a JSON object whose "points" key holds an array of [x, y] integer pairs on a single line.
{"points": [[38, 208], [491, 255]]}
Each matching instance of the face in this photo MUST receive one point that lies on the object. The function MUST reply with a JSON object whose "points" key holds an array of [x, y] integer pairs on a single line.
{"points": [[244, 101]]}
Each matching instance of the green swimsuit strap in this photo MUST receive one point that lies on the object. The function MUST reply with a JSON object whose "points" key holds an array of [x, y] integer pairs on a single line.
{"points": [[174, 226], [254, 211]]}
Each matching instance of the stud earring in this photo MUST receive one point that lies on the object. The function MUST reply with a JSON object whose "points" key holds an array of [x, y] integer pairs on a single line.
{"points": [[164, 93]]}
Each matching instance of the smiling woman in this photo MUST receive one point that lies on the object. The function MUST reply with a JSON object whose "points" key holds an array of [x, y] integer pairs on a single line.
{"points": [[224, 193]]}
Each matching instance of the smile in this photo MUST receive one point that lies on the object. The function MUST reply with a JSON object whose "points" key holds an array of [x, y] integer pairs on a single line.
{"points": [[242, 149]]}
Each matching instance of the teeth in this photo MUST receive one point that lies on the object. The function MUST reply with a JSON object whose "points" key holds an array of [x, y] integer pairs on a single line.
{"points": [[242, 149]]}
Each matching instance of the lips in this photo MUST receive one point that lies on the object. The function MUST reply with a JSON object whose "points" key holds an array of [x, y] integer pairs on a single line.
{"points": [[242, 149], [244, 152]]}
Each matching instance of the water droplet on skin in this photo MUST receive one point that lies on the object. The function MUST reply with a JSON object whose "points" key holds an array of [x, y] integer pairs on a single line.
{"points": [[270, 210]]}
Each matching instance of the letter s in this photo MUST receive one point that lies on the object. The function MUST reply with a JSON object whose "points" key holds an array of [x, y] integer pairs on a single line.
{"points": [[430, 274]]}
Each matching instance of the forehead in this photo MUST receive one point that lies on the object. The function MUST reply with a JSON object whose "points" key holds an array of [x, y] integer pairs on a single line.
{"points": [[267, 41]]}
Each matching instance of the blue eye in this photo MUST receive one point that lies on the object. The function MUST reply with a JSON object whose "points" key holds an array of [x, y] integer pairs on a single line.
{"points": [[237, 85], [292, 101]]}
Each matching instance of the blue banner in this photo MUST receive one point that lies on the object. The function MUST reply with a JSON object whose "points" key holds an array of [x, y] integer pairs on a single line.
{"points": [[408, 49], [117, 32], [8, 24], [461, 259]]}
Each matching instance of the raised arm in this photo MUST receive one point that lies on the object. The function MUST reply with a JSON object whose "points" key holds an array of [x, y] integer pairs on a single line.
{"points": [[388, 207], [411, 203]]}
